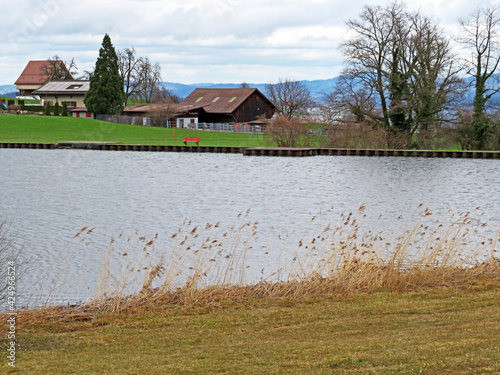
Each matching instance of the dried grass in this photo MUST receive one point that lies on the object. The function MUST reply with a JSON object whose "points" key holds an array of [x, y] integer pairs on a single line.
{"points": [[208, 268], [208, 271]]}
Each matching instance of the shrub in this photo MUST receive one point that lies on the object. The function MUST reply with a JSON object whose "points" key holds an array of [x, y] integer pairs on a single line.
{"points": [[56, 109], [65, 109], [14, 107], [286, 132], [357, 136], [47, 110], [33, 108]]}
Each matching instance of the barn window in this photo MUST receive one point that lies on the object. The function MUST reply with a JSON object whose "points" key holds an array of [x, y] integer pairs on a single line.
{"points": [[201, 97], [232, 99], [217, 98]]}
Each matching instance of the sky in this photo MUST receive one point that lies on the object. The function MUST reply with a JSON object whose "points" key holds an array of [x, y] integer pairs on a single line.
{"points": [[198, 41]]}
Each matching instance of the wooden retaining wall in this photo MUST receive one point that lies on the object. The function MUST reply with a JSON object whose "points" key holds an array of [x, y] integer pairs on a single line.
{"points": [[255, 151]]}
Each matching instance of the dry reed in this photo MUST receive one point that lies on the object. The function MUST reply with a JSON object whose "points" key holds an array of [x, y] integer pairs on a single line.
{"points": [[208, 266]]}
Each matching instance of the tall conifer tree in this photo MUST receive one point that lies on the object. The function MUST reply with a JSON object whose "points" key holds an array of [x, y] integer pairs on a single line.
{"points": [[105, 95]]}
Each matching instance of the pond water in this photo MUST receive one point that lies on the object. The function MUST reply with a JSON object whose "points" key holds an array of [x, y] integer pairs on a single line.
{"points": [[127, 198]]}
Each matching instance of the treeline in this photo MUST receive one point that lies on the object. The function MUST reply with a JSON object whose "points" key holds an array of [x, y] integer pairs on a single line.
{"points": [[404, 78]]}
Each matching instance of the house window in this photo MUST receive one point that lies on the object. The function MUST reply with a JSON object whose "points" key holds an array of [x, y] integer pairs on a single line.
{"points": [[70, 104], [73, 87]]}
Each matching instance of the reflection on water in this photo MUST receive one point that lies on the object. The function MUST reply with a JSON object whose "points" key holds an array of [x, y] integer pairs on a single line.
{"points": [[50, 195]]}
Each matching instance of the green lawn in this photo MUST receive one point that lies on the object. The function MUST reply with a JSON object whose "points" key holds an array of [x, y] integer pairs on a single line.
{"points": [[448, 330], [41, 129]]}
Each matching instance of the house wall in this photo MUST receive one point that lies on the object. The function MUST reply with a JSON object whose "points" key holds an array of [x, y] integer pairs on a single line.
{"points": [[26, 90], [77, 100]]}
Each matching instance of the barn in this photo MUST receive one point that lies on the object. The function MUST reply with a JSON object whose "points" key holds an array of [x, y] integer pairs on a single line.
{"points": [[238, 105]]}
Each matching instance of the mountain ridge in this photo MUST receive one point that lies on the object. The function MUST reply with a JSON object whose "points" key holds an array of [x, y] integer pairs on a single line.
{"points": [[317, 87]]}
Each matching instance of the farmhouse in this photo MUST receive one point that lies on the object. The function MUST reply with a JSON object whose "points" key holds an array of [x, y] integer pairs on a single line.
{"points": [[241, 105], [71, 92], [38, 72]]}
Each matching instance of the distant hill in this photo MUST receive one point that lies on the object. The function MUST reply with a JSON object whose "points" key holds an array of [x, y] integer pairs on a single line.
{"points": [[318, 87], [8, 90]]}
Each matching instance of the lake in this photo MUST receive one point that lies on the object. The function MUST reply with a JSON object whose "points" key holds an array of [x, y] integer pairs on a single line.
{"points": [[128, 198]]}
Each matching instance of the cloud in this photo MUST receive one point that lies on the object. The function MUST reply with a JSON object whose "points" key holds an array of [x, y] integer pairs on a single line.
{"points": [[194, 39]]}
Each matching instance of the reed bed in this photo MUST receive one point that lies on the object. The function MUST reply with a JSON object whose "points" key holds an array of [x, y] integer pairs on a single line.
{"points": [[209, 266]]}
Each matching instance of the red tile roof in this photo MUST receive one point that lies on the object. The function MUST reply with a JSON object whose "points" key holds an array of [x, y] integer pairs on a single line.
{"points": [[38, 72]]}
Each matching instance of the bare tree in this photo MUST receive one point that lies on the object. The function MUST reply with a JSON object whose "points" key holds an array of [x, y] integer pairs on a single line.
{"points": [[481, 35], [87, 74], [141, 77], [149, 78], [57, 69], [163, 112], [129, 65], [400, 72], [292, 98], [369, 53], [163, 95], [435, 83], [350, 101]]}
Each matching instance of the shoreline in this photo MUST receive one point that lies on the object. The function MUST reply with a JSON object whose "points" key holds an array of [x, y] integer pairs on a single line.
{"points": [[253, 151]]}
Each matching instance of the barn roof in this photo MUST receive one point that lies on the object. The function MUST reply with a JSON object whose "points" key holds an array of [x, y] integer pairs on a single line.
{"points": [[37, 72], [152, 107], [219, 100], [64, 87]]}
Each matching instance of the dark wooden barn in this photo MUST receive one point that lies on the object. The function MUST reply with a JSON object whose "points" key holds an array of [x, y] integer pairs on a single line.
{"points": [[229, 105]]}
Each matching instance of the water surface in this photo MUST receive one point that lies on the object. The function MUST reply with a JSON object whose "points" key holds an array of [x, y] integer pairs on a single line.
{"points": [[49, 195]]}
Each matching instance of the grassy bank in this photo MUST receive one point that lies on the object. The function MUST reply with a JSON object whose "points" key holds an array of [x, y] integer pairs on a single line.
{"points": [[420, 299], [446, 330], [41, 129]]}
